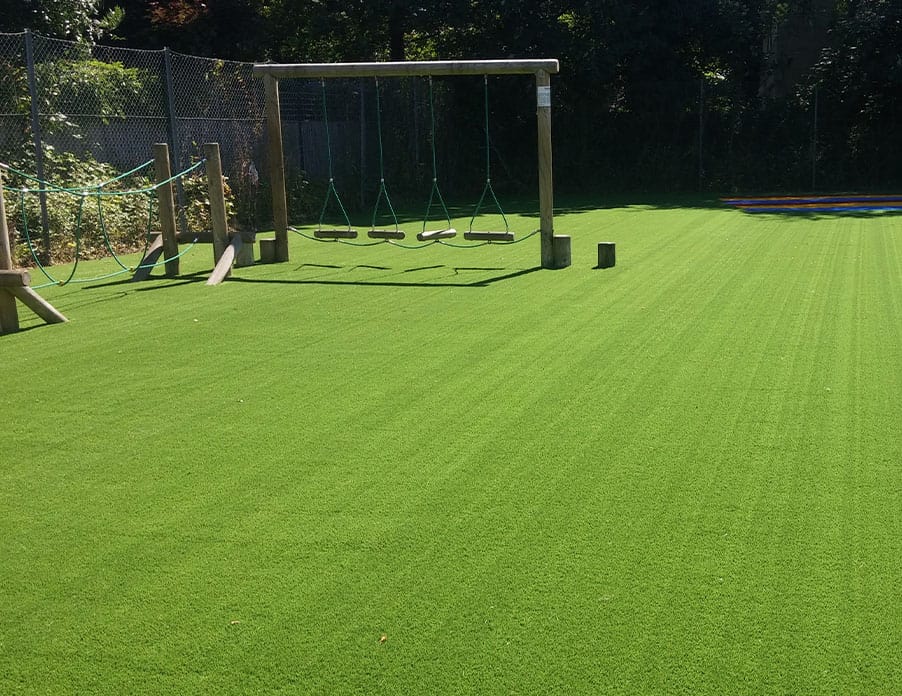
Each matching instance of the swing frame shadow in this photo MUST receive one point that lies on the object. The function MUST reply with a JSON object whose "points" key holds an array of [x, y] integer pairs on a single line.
{"points": [[482, 283]]}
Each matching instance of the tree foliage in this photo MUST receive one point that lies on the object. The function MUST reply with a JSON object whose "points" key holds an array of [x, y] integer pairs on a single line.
{"points": [[642, 83]]}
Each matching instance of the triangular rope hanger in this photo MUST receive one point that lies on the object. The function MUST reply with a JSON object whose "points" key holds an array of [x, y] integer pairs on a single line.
{"points": [[497, 235], [332, 233], [435, 194], [374, 233]]}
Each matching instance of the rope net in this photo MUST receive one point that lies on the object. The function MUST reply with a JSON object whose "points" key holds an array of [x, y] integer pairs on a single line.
{"points": [[110, 217]]}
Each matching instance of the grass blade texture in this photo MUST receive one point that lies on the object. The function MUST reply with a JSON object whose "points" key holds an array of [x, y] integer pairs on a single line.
{"points": [[380, 470]]}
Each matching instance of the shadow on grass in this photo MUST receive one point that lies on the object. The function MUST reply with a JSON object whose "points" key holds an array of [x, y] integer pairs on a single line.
{"points": [[483, 283]]}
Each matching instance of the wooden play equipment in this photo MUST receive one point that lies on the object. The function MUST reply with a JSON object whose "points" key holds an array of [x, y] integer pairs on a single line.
{"points": [[15, 284], [228, 249], [555, 249]]}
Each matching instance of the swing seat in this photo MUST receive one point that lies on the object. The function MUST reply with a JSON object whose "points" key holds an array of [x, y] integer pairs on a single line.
{"points": [[429, 235], [472, 235], [385, 234], [335, 234]]}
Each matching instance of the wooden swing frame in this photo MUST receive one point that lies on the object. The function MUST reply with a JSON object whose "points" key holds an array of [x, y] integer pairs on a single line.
{"points": [[555, 249]]}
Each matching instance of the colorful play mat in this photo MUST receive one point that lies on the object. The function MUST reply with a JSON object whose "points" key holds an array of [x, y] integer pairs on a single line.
{"points": [[817, 204]]}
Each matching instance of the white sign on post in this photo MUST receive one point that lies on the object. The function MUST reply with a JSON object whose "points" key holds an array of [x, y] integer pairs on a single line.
{"points": [[543, 96]]}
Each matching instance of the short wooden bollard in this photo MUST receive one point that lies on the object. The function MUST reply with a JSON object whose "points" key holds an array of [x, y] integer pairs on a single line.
{"points": [[562, 256], [606, 255], [267, 250], [245, 255]]}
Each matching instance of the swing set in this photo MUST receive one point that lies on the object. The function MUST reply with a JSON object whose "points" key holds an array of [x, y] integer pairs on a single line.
{"points": [[555, 249]]}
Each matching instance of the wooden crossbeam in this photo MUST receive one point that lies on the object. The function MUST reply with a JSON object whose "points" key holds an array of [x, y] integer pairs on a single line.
{"points": [[15, 278], [409, 68]]}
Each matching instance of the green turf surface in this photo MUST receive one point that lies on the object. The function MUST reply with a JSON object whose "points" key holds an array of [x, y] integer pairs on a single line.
{"points": [[441, 471]]}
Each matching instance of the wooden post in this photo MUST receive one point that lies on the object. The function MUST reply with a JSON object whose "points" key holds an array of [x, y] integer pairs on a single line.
{"points": [[14, 284], [546, 184], [275, 154], [6, 255], [9, 316], [607, 255], [166, 205], [218, 218]]}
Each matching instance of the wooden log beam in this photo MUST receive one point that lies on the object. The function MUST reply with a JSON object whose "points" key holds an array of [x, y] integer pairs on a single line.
{"points": [[14, 279], [224, 265], [38, 305], [409, 68], [151, 256]]}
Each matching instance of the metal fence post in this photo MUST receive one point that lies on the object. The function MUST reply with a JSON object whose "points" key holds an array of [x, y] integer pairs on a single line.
{"points": [[174, 138], [701, 131], [814, 142], [38, 144]]}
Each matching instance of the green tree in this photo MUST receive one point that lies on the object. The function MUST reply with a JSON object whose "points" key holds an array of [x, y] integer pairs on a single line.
{"points": [[78, 20]]}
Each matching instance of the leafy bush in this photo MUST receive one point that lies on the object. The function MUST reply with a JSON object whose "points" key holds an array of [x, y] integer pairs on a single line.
{"points": [[76, 222]]}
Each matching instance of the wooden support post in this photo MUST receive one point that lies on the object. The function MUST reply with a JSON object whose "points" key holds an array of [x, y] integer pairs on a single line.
{"points": [[546, 182], [166, 204], [9, 316], [218, 219], [14, 284], [276, 157]]}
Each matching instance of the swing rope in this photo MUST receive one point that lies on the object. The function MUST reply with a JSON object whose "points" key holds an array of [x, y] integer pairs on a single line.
{"points": [[435, 196], [434, 192], [383, 191], [487, 189], [331, 190]]}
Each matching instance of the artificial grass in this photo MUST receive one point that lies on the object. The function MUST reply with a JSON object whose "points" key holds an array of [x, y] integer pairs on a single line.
{"points": [[440, 471]]}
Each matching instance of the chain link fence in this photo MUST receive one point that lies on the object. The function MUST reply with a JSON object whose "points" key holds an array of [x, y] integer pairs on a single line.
{"points": [[110, 105]]}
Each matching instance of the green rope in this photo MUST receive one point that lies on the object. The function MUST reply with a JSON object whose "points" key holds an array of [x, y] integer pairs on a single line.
{"points": [[62, 189], [487, 189], [331, 190], [31, 247], [383, 191], [84, 193], [434, 191], [93, 188]]}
